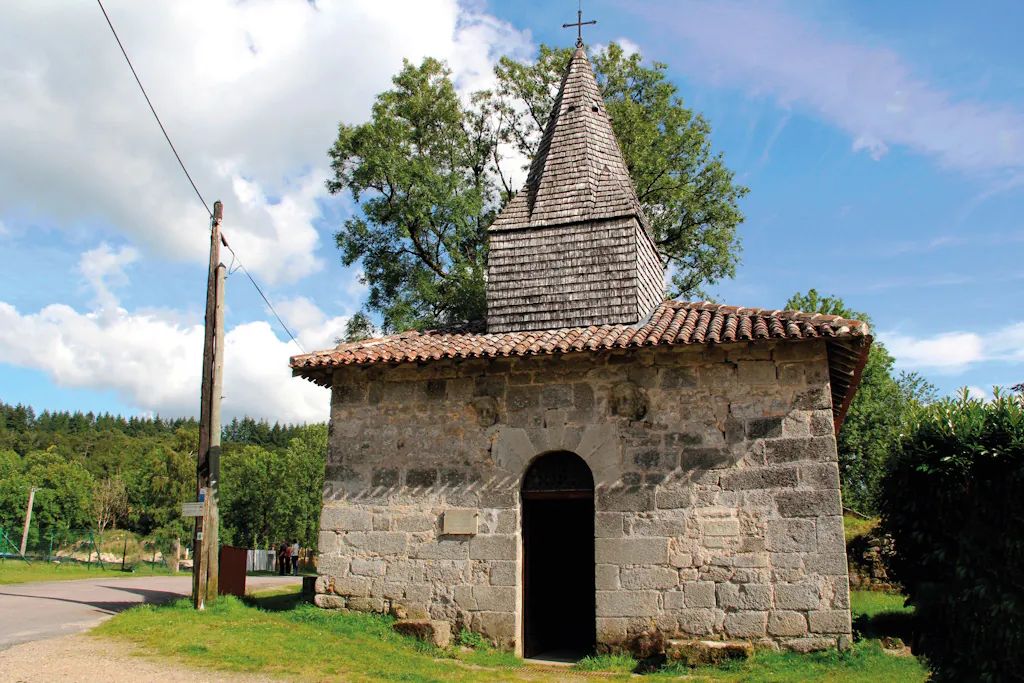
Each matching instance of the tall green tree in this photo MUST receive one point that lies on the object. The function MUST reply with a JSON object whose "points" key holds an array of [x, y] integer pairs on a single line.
{"points": [[877, 414], [65, 492], [254, 493], [307, 456], [163, 479], [429, 174], [12, 490], [268, 496], [419, 171]]}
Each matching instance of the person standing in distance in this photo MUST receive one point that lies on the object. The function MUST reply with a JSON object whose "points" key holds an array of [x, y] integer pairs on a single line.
{"points": [[294, 553]]}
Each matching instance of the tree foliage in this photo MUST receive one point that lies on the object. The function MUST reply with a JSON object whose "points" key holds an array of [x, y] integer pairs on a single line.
{"points": [[419, 172], [430, 175], [952, 506], [268, 496], [877, 414], [358, 328], [93, 469]]}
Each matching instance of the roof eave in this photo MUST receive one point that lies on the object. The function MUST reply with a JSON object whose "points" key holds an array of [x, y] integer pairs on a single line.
{"points": [[863, 350]]}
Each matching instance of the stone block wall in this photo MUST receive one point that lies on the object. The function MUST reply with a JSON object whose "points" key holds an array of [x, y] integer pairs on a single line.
{"points": [[717, 490]]}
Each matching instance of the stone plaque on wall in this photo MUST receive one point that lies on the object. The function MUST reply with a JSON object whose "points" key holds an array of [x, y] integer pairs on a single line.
{"points": [[460, 521]]}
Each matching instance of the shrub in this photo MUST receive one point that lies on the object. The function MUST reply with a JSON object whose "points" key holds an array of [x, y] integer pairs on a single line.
{"points": [[472, 639], [954, 505]]}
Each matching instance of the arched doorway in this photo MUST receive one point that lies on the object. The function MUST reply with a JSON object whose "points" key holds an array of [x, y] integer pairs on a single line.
{"points": [[558, 558]]}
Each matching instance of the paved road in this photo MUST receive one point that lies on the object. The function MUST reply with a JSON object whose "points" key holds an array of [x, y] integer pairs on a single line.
{"points": [[33, 611]]}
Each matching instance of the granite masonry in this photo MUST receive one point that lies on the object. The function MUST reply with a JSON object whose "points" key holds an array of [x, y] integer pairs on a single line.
{"points": [[717, 489], [591, 459]]}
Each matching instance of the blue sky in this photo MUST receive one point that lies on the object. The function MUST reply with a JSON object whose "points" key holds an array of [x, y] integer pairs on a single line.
{"points": [[883, 144]]}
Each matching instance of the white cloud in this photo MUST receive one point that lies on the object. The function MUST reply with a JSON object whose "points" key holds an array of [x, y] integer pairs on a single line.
{"points": [[103, 269], [946, 352], [289, 223], [317, 331], [251, 94], [954, 352], [152, 359], [154, 364], [868, 91], [978, 392], [629, 48]]}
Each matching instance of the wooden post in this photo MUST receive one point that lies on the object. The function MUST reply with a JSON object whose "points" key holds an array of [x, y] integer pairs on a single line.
{"points": [[175, 555], [205, 540], [213, 520], [28, 518]]}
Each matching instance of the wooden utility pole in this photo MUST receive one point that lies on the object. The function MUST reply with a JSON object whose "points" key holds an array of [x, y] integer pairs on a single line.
{"points": [[28, 519], [205, 541]]}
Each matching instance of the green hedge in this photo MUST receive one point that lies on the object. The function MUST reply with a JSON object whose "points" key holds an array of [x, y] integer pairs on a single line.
{"points": [[954, 505]]}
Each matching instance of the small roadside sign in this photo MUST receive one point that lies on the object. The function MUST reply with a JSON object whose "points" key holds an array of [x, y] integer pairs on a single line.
{"points": [[191, 509]]}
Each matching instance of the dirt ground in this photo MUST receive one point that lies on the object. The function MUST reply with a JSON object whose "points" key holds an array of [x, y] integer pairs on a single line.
{"points": [[88, 658], [84, 658]]}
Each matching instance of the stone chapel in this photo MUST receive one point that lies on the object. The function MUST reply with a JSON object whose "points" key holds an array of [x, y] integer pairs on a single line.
{"points": [[592, 467]]}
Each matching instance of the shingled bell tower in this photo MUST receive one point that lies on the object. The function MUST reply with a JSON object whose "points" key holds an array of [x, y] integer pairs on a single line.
{"points": [[573, 248]]}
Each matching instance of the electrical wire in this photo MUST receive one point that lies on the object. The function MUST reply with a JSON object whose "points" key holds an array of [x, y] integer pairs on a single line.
{"points": [[181, 163], [153, 109], [244, 270]]}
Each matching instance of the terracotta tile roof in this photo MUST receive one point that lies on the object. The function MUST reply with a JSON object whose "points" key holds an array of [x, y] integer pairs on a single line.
{"points": [[674, 322]]}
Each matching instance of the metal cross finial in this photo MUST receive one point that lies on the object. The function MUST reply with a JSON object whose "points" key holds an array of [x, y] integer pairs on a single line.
{"points": [[579, 27]]}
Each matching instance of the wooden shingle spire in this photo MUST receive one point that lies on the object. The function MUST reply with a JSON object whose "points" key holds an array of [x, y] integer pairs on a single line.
{"points": [[572, 248]]}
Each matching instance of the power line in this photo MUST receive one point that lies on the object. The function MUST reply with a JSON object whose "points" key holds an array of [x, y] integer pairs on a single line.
{"points": [[271, 306], [153, 109], [187, 175]]}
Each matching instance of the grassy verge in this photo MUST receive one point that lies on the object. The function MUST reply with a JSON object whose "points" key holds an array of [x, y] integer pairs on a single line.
{"points": [[871, 604], [865, 662], [16, 571], [275, 599], [275, 634], [297, 640], [854, 526], [881, 615]]}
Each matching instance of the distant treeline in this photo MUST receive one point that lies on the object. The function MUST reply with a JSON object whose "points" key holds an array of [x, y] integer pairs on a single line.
{"points": [[99, 471]]}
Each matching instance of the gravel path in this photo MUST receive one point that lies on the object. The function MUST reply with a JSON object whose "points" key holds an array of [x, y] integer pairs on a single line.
{"points": [[88, 658]]}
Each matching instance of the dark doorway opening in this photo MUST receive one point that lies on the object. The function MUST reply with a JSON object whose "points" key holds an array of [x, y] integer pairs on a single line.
{"points": [[558, 558]]}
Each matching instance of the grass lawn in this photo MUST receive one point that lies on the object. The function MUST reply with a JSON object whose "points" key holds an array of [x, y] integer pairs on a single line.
{"points": [[16, 571], [273, 633], [871, 604], [854, 526]]}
